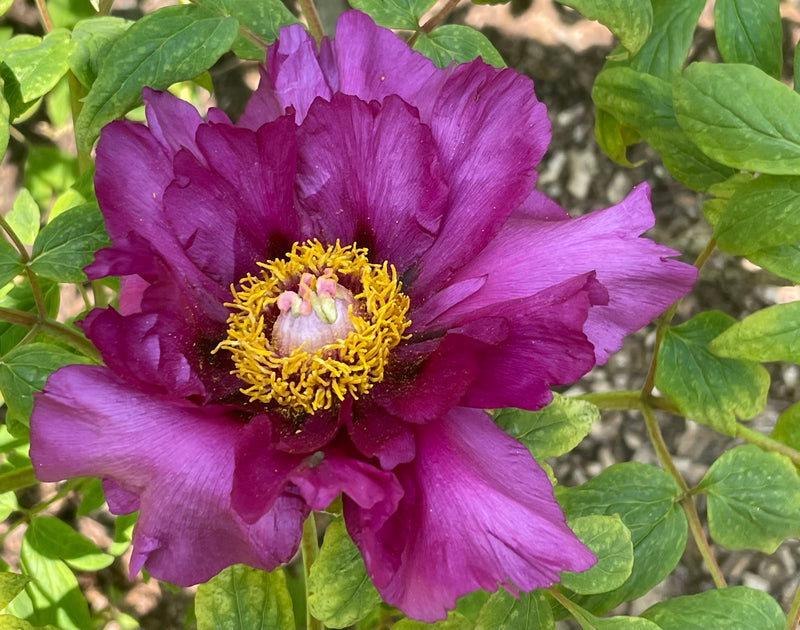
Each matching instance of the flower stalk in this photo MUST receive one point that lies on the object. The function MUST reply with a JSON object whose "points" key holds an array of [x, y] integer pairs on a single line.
{"points": [[309, 11]]}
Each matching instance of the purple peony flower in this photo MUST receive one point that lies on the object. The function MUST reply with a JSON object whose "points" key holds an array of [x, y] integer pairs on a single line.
{"points": [[321, 299]]}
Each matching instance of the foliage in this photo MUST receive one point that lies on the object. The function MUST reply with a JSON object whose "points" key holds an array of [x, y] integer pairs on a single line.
{"points": [[727, 129]]}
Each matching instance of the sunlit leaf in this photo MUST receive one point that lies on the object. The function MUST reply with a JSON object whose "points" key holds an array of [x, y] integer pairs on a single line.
{"points": [[242, 598], [771, 334], [11, 585], [749, 31], [339, 591], [53, 538], [610, 541], [394, 13], [787, 427], [457, 43], [39, 68], [630, 20], [93, 39], [24, 217], [503, 611], [705, 387]]}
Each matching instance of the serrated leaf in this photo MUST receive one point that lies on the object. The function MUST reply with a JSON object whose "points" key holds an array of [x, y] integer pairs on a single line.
{"points": [[54, 539], [787, 427], [24, 370], [10, 264], [93, 39], [552, 431], [54, 591], [630, 20], [174, 43], [24, 217], [740, 116], [645, 498], [753, 499], [610, 541], [264, 18], [749, 31], [39, 68], [705, 387], [503, 611], [242, 598], [68, 243], [665, 50], [453, 621], [11, 585], [771, 334], [644, 103], [730, 608], [457, 43], [394, 13], [339, 591]]}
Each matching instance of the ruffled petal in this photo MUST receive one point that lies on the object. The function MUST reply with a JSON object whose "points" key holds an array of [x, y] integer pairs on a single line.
{"points": [[376, 433], [491, 133], [174, 458], [640, 279], [477, 512], [172, 121], [373, 63], [370, 174], [295, 79], [226, 214]]}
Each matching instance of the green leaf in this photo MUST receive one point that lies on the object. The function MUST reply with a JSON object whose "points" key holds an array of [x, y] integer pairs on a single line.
{"points": [[730, 608], [614, 137], [11, 585], [644, 102], [749, 31], [796, 66], [705, 387], [771, 334], [93, 39], [339, 591], [241, 598], [10, 264], [645, 498], [454, 42], [760, 215], [68, 243], [503, 611], [552, 431], [5, 117], [588, 621], [123, 533], [4, 5], [394, 13], [610, 541], [454, 621], [787, 428], [54, 591], [24, 217], [753, 499], [665, 50], [49, 172], [782, 260], [54, 539], [24, 370], [20, 297], [740, 116], [174, 43], [39, 68], [10, 622], [630, 20], [8, 504], [92, 497], [262, 17]]}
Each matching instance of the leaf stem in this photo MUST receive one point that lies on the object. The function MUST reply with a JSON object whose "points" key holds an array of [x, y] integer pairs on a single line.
{"points": [[626, 399], [309, 547], [53, 328], [793, 617], [76, 104], [686, 500], [47, 23], [433, 21], [766, 442], [309, 11], [25, 259], [572, 608]]}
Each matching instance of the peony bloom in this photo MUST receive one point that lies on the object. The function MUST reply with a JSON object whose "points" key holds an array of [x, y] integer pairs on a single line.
{"points": [[322, 299]]}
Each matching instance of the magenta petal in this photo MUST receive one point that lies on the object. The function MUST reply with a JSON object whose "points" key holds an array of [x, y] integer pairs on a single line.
{"points": [[374, 63], [370, 174], [491, 133], [478, 511], [172, 121], [640, 279], [376, 433], [176, 458]]}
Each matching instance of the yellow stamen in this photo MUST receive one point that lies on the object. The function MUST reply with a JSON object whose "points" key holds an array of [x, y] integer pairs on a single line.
{"points": [[309, 381]]}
